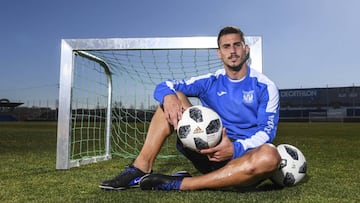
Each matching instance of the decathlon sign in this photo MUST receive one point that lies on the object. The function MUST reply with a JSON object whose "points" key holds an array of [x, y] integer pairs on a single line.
{"points": [[298, 93]]}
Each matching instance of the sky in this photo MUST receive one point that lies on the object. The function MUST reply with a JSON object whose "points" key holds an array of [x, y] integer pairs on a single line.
{"points": [[307, 43]]}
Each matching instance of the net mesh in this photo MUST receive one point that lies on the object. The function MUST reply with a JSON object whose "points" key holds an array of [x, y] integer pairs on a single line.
{"points": [[88, 109], [135, 73]]}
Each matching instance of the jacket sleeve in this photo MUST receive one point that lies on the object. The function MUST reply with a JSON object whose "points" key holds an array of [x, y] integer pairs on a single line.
{"points": [[193, 87], [163, 89], [267, 121]]}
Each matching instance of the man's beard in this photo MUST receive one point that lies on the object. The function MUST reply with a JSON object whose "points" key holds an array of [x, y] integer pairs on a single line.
{"points": [[235, 68], [238, 67]]}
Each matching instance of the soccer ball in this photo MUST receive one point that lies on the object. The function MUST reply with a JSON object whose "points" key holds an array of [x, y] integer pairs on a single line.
{"points": [[199, 128], [292, 168]]}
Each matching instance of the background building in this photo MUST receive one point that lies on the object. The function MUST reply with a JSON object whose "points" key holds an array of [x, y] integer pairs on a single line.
{"points": [[333, 103]]}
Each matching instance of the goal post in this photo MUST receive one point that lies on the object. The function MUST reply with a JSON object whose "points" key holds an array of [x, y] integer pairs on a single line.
{"points": [[68, 109], [106, 88]]}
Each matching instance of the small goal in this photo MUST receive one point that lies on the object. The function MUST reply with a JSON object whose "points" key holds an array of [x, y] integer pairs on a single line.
{"points": [[317, 116], [331, 115], [106, 91]]}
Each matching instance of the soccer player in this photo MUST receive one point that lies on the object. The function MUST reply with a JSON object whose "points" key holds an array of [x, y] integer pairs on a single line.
{"points": [[248, 104]]}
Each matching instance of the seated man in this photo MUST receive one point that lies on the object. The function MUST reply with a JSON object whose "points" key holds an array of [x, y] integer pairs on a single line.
{"points": [[248, 104]]}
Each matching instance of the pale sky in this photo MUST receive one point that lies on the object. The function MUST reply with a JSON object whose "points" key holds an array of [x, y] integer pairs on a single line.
{"points": [[308, 43]]}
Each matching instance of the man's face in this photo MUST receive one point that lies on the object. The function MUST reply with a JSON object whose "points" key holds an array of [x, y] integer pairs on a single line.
{"points": [[232, 51]]}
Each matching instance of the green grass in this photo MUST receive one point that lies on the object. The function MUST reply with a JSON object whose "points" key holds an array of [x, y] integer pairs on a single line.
{"points": [[28, 174]]}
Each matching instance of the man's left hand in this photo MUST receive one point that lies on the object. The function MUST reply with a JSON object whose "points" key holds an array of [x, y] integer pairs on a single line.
{"points": [[221, 152]]}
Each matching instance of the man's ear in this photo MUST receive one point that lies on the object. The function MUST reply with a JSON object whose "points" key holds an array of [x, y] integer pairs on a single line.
{"points": [[218, 53], [247, 49]]}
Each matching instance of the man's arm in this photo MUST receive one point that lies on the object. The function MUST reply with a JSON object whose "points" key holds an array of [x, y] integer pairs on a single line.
{"points": [[267, 117]]}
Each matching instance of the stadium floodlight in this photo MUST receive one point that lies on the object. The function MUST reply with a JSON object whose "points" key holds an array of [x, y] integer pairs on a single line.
{"points": [[106, 87]]}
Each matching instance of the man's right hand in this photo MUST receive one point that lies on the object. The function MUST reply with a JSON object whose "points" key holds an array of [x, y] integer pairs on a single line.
{"points": [[172, 109]]}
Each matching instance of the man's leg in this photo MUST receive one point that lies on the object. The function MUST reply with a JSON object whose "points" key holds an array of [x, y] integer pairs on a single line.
{"points": [[254, 166], [251, 168], [158, 131], [200, 161]]}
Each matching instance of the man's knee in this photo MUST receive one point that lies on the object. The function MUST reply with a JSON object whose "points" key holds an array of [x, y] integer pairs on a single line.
{"points": [[159, 122], [262, 160], [269, 157], [184, 100]]}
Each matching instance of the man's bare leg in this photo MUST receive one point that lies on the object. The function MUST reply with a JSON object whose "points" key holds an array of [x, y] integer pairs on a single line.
{"points": [[158, 131], [251, 168]]}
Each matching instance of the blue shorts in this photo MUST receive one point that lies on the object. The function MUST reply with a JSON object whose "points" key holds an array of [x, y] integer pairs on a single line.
{"points": [[201, 162]]}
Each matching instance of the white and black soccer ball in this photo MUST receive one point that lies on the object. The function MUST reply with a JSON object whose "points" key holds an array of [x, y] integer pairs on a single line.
{"points": [[292, 168], [199, 128]]}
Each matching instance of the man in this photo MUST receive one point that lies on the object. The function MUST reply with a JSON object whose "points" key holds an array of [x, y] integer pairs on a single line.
{"points": [[248, 104]]}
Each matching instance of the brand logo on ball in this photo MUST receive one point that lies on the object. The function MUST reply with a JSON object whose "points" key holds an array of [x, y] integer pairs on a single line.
{"points": [[198, 130]]}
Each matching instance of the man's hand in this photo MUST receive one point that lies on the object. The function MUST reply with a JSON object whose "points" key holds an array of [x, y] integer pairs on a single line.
{"points": [[221, 152], [172, 109]]}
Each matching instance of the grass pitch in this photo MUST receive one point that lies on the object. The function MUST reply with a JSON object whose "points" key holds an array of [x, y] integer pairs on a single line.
{"points": [[28, 155]]}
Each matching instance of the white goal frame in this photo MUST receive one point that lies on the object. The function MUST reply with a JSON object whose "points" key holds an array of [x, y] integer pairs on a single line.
{"points": [[72, 47]]}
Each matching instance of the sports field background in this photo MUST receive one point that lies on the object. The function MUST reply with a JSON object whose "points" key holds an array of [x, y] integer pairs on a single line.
{"points": [[28, 174]]}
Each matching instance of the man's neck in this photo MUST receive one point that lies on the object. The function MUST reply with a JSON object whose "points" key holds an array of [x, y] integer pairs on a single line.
{"points": [[236, 75]]}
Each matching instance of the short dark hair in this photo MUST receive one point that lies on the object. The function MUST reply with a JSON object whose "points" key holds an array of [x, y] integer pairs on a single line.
{"points": [[230, 30]]}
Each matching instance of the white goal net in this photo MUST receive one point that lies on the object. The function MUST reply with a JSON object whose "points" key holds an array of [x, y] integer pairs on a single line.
{"points": [[330, 115], [106, 91]]}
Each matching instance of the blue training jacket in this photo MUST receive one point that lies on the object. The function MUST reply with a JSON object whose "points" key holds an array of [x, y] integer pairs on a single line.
{"points": [[249, 108]]}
